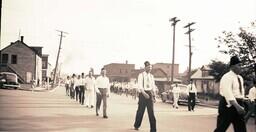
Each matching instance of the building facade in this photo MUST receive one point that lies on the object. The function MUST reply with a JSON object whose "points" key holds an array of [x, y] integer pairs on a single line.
{"points": [[167, 68], [22, 60], [119, 72], [205, 83]]}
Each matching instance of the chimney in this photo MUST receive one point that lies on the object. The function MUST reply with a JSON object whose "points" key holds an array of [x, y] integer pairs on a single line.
{"points": [[126, 62], [21, 38]]}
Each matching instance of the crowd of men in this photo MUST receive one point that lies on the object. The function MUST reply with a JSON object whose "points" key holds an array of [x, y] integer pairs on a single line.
{"points": [[231, 109]]}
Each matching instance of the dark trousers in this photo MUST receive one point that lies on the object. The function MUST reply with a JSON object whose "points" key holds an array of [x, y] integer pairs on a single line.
{"points": [[77, 90], [67, 89], [81, 95], [142, 104], [228, 115], [191, 101], [251, 110], [72, 91], [99, 98]]}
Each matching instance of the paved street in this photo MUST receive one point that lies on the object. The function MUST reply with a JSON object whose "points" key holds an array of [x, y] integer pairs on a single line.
{"points": [[53, 111]]}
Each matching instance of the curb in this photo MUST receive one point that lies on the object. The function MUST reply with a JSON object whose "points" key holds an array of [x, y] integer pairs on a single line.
{"points": [[38, 90]]}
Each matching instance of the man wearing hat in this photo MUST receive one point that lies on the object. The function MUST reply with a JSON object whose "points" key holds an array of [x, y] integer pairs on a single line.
{"points": [[146, 89], [231, 108]]}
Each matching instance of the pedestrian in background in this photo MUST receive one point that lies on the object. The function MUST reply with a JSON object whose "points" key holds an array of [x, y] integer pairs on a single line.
{"points": [[67, 85], [176, 95], [231, 105], [146, 89], [77, 87], [252, 102], [72, 87], [82, 89], [191, 93], [90, 93], [103, 91]]}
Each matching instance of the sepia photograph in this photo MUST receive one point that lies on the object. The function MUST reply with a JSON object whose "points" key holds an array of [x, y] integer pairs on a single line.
{"points": [[128, 65]]}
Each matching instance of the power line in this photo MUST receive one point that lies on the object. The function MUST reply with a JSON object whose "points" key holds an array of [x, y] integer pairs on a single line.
{"points": [[190, 52], [57, 60], [174, 22]]}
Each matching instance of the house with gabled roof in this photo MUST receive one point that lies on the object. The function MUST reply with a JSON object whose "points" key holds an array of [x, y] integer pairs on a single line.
{"points": [[23, 60], [205, 83]]}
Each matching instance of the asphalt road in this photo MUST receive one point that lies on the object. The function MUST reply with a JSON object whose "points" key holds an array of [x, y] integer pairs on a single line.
{"points": [[53, 111]]}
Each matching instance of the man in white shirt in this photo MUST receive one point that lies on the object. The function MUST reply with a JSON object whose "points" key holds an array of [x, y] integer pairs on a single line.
{"points": [[102, 91], [82, 89], [192, 93], [231, 108], [77, 87], [67, 85], [146, 89], [252, 102], [176, 94], [90, 93]]}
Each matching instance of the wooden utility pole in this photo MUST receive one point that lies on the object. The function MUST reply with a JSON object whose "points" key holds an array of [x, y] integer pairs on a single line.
{"points": [[190, 52], [57, 60], [174, 21]]}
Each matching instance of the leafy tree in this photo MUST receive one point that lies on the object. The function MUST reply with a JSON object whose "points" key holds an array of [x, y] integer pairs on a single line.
{"points": [[242, 45], [218, 69]]}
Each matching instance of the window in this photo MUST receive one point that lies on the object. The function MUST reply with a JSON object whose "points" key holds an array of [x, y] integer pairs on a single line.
{"points": [[14, 59], [120, 70], [5, 58]]}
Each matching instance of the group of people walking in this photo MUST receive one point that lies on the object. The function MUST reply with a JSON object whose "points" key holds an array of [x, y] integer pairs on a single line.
{"points": [[86, 89], [231, 110]]}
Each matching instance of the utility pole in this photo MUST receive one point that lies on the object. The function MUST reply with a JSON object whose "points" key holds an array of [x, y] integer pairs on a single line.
{"points": [[174, 21], [190, 53], [57, 60]]}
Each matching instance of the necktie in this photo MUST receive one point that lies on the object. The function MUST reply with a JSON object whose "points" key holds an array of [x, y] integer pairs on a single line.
{"points": [[240, 85]]}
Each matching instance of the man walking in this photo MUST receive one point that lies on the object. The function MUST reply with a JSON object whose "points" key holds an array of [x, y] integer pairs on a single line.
{"points": [[191, 92], [90, 93], [176, 95], [231, 108], [82, 89], [103, 91], [146, 89]]}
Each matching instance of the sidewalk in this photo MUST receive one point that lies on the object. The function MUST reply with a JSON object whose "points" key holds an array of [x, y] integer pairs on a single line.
{"points": [[27, 87], [209, 103]]}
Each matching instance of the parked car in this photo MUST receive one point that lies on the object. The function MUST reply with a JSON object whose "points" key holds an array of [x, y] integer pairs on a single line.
{"points": [[9, 80], [183, 98]]}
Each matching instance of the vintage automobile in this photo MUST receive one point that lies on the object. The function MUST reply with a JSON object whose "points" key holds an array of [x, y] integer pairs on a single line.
{"points": [[9, 80], [167, 96]]}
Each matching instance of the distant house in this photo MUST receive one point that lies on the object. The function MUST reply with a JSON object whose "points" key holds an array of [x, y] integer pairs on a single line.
{"points": [[46, 67], [24, 60], [167, 68], [204, 82], [120, 72]]}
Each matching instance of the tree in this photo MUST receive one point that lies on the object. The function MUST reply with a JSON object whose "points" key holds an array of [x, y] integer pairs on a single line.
{"points": [[242, 45], [218, 69]]}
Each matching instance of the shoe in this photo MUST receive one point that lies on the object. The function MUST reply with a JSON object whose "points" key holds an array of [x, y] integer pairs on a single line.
{"points": [[97, 114], [135, 128], [105, 117]]}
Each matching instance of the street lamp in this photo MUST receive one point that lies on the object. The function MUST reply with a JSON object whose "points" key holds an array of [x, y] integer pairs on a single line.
{"points": [[174, 21]]}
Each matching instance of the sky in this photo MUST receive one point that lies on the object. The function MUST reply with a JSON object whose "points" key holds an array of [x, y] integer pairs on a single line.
{"points": [[113, 31]]}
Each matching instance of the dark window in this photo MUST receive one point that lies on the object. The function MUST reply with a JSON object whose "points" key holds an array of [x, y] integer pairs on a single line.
{"points": [[14, 59], [5, 58]]}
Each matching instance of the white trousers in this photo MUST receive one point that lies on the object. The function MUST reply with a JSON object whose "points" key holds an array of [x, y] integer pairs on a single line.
{"points": [[176, 99], [90, 97]]}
